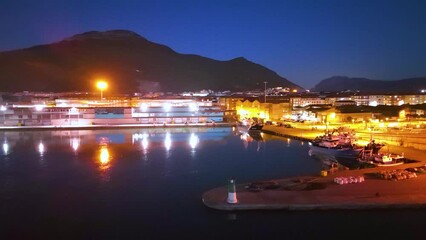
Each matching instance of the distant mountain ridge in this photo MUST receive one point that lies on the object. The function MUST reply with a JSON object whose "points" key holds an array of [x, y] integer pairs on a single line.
{"points": [[342, 83], [130, 63]]}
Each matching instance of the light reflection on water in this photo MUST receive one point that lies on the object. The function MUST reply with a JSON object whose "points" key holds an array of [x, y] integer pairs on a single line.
{"points": [[5, 148], [121, 175]]}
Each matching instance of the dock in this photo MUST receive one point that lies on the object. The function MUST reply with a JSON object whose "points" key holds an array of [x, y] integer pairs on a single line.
{"points": [[295, 194], [323, 193]]}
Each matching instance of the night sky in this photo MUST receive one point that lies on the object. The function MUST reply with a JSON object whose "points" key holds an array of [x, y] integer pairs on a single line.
{"points": [[302, 40]]}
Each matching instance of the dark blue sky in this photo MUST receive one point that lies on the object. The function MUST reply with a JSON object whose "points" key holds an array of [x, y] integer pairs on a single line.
{"points": [[302, 40]]}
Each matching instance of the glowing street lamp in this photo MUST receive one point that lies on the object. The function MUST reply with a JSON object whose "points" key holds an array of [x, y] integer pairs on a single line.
{"points": [[102, 85]]}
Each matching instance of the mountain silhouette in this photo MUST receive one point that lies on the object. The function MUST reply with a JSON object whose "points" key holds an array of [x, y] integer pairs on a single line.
{"points": [[343, 83], [130, 63]]}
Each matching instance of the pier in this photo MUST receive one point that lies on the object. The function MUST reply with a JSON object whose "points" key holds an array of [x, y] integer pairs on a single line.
{"points": [[323, 193]]}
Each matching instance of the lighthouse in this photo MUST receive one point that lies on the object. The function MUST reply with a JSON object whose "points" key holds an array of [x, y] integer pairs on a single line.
{"points": [[232, 193]]}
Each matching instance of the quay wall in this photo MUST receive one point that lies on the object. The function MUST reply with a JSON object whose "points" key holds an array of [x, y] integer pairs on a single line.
{"points": [[406, 139], [413, 147]]}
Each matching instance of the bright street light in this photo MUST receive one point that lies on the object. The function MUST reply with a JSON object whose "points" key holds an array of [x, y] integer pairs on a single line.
{"points": [[102, 85]]}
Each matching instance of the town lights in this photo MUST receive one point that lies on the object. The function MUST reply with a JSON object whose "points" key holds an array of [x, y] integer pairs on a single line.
{"points": [[102, 85]]}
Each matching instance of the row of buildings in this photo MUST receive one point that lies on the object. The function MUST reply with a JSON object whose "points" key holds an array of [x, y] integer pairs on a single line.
{"points": [[65, 112], [39, 109]]}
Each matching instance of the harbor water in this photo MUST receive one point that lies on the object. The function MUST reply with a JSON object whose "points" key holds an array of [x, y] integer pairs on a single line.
{"points": [[147, 184]]}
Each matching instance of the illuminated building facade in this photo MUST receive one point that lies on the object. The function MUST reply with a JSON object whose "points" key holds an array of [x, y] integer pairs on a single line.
{"points": [[83, 112], [274, 109]]}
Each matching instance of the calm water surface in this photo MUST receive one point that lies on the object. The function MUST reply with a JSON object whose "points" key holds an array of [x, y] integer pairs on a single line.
{"points": [[148, 183]]}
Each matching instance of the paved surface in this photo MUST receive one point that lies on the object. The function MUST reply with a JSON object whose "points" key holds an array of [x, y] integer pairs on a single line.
{"points": [[373, 193]]}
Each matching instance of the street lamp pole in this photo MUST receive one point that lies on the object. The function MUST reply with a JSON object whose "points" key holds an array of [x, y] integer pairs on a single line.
{"points": [[265, 90], [101, 85]]}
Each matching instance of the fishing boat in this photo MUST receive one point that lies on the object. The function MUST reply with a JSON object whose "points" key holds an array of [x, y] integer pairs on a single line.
{"points": [[388, 160], [249, 127], [339, 151], [339, 143]]}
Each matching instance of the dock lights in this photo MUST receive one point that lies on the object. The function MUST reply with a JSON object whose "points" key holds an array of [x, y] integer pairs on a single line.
{"points": [[102, 85], [232, 193]]}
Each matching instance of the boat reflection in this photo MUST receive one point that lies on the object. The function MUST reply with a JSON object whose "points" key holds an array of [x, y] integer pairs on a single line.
{"points": [[329, 160], [252, 137]]}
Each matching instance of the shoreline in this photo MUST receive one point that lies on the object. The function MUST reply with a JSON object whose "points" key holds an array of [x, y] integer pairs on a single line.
{"points": [[107, 126], [374, 193]]}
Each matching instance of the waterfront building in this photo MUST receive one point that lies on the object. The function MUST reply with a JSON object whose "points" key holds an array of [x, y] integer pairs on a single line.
{"points": [[274, 109], [335, 99], [115, 111], [229, 104], [361, 100], [414, 99], [344, 103], [306, 100], [333, 115]]}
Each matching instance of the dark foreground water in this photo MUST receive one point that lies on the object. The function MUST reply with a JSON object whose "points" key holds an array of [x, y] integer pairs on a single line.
{"points": [[148, 183]]}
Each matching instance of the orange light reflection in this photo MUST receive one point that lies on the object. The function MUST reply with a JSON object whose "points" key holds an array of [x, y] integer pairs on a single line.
{"points": [[104, 158]]}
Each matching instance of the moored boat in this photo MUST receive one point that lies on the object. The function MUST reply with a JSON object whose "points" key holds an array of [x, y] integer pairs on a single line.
{"points": [[387, 160], [339, 151], [247, 127], [338, 145]]}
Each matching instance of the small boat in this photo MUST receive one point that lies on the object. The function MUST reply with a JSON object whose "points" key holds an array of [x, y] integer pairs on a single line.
{"points": [[255, 127], [387, 160], [389, 164], [247, 127]]}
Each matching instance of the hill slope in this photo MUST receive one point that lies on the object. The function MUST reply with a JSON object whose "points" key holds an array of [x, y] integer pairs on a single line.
{"points": [[341, 83], [130, 63]]}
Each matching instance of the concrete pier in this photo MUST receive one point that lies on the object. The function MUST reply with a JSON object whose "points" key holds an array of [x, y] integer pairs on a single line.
{"points": [[372, 193], [293, 193]]}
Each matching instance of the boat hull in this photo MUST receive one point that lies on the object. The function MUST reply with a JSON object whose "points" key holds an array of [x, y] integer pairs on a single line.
{"points": [[340, 153], [250, 129]]}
